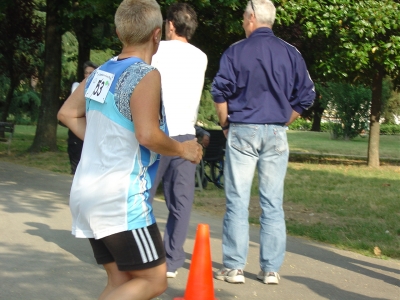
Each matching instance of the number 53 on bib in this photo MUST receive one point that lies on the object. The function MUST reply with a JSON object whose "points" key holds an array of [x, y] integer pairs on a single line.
{"points": [[99, 86]]}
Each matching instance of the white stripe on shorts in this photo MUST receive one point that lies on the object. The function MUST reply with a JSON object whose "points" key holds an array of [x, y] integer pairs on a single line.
{"points": [[145, 244], [153, 248], [140, 246]]}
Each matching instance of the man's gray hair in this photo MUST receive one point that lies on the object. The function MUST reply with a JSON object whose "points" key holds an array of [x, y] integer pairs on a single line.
{"points": [[264, 11]]}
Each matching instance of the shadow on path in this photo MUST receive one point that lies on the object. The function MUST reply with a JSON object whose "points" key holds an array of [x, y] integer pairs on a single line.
{"points": [[320, 253], [329, 291], [80, 248]]}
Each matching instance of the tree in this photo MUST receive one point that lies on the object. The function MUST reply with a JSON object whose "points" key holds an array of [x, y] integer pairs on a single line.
{"points": [[46, 130], [362, 45], [20, 39], [67, 15], [92, 22], [350, 105], [58, 20], [221, 23]]}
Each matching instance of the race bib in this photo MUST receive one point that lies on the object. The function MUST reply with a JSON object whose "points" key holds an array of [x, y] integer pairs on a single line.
{"points": [[99, 86]]}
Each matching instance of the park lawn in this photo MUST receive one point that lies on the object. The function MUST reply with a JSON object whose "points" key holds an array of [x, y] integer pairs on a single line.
{"points": [[345, 204], [354, 207], [320, 143], [350, 206], [51, 161]]}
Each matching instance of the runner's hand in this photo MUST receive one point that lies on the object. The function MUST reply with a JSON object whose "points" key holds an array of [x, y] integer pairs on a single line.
{"points": [[205, 141], [192, 151]]}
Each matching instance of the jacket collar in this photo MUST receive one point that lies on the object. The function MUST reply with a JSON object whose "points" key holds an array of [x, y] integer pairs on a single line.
{"points": [[261, 31]]}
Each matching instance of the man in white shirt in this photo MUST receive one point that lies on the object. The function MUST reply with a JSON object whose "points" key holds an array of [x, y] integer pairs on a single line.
{"points": [[182, 67]]}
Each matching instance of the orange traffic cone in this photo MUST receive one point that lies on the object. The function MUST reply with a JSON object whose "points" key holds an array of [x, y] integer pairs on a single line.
{"points": [[200, 285]]}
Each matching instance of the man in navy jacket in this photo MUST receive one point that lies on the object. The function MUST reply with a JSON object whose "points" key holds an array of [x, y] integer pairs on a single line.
{"points": [[261, 87]]}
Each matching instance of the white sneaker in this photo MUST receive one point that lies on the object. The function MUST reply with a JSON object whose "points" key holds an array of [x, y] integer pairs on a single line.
{"points": [[230, 275], [269, 277], [172, 274]]}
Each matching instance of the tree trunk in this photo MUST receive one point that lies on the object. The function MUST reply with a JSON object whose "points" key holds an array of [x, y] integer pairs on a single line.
{"points": [[316, 124], [317, 116], [374, 126], [46, 130], [83, 34]]}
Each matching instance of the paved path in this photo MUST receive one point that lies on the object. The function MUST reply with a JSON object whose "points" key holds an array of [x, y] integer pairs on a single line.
{"points": [[39, 259]]}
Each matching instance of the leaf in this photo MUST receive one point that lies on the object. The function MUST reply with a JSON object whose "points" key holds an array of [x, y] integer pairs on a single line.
{"points": [[377, 251], [388, 45]]}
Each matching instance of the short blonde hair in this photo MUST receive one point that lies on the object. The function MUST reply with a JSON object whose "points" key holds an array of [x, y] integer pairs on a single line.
{"points": [[135, 20]]}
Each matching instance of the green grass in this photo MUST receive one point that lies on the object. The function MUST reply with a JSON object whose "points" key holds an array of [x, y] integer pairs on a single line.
{"points": [[354, 207], [23, 139], [346, 204], [350, 206], [320, 143]]}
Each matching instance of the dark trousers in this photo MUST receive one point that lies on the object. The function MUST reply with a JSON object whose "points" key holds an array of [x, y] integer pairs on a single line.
{"points": [[75, 145], [177, 176]]}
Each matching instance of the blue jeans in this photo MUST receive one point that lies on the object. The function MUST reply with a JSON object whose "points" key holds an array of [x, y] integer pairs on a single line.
{"points": [[265, 147]]}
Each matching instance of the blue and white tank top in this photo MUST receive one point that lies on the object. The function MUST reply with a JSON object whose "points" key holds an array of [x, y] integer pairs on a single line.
{"points": [[111, 186]]}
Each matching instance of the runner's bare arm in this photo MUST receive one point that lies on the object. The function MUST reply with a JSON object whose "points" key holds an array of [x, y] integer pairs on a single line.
{"points": [[145, 108], [72, 113]]}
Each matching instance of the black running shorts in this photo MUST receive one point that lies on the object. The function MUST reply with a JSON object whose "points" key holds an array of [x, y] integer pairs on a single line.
{"points": [[131, 250]]}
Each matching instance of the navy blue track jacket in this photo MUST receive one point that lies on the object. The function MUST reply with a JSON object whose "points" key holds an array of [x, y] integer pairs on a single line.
{"points": [[263, 79]]}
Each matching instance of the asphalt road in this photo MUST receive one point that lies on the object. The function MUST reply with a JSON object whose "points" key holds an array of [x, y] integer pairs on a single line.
{"points": [[40, 259]]}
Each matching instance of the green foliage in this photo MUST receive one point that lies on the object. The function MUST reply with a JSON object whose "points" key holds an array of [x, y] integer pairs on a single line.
{"points": [[25, 106], [207, 114], [359, 36], [99, 57], [91, 22], [94, 19], [325, 127], [390, 102], [300, 124], [390, 129], [5, 85], [70, 65], [21, 34], [70, 52], [348, 104], [337, 131]]}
